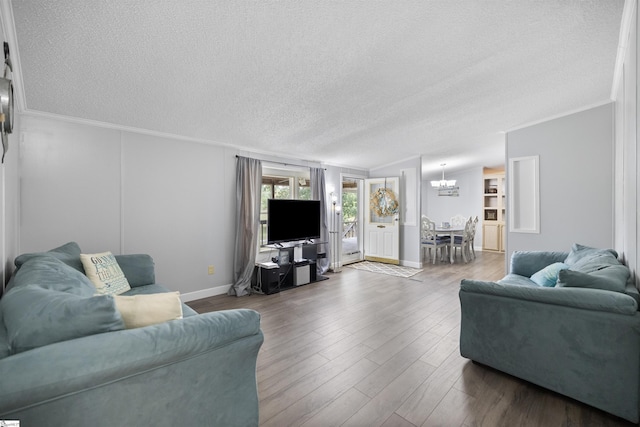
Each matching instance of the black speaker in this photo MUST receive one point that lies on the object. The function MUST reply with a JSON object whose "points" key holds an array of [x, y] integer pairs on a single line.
{"points": [[269, 280]]}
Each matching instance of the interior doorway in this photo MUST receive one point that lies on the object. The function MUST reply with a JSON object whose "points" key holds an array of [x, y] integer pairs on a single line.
{"points": [[352, 232]]}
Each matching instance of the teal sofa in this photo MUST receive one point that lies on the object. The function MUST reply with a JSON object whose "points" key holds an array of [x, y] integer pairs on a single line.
{"points": [[67, 359], [566, 321]]}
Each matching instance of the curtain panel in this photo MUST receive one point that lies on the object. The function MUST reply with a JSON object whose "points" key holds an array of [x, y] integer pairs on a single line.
{"points": [[248, 186], [318, 192]]}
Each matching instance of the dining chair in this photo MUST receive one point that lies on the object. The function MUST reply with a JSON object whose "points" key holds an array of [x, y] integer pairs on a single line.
{"points": [[473, 237], [429, 239], [458, 221], [463, 240]]}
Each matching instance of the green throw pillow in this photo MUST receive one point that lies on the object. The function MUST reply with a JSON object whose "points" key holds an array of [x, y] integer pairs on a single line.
{"points": [[548, 276], [579, 252], [611, 278], [35, 316], [51, 273], [69, 253]]}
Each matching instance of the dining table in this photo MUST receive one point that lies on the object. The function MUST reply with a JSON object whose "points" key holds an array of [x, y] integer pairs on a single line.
{"points": [[451, 232]]}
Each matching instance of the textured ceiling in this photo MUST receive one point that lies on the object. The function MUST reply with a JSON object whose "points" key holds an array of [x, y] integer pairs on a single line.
{"points": [[359, 83]]}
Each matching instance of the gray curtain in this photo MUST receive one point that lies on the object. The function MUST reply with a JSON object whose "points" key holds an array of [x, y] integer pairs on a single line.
{"points": [[248, 185], [318, 192]]}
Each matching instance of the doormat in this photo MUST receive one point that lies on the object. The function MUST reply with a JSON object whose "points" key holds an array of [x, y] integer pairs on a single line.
{"points": [[390, 269]]}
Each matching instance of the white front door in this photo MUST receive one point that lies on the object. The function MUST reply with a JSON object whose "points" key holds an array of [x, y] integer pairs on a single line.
{"points": [[381, 225]]}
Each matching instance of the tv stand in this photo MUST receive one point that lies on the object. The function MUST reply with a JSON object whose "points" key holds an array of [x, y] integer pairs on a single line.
{"points": [[291, 274]]}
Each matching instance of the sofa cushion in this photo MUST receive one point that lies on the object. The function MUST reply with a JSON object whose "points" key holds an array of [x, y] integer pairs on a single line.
{"points": [[69, 253], [138, 311], [594, 263], [527, 263], [36, 316], [51, 273], [611, 278], [45, 294], [548, 276], [516, 280], [139, 269], [105, 273], [586, 259]]}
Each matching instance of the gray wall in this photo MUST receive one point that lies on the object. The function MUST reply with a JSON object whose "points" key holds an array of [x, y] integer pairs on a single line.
{"points": [[128, 192], [131, 193], [576, 180], [469, 203]]}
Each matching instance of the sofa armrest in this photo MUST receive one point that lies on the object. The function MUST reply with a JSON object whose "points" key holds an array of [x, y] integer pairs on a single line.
{"points": [[584, 298], [139, 269], [208, 360], [526, 263]]}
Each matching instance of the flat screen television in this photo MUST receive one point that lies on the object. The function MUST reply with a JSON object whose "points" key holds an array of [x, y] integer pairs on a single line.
{"points": [[289, 220]]}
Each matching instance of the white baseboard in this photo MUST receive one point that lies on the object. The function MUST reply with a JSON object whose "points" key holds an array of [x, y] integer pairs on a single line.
{"points": [[411, 264], [204, 293]]}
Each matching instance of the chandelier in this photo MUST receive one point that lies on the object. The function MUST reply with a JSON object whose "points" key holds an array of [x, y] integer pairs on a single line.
{"points": [[443, 183]]}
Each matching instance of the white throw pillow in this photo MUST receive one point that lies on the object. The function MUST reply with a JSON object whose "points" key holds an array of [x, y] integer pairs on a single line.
{"points": [[105, 273], [138, 311]]}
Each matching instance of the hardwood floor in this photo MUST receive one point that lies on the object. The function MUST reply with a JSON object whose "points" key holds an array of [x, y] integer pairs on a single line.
{"points": [[367, 349]]}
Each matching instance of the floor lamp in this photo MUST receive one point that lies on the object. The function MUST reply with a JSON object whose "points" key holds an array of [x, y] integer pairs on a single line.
{"points": [[337, 232]]}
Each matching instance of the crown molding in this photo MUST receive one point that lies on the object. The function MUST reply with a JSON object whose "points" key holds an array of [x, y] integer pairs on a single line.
{"points": [[241, 150]]}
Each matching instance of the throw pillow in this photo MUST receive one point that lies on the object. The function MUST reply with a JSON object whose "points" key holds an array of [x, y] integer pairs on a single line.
{"points": [[548, 276], [105, 273], [594, 262], [69, 253], [139, 311], [579, 252], [51, 273], [611, 278], [35, 316]]}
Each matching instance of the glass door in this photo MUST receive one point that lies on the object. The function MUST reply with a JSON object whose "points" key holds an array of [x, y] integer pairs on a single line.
{"points": [[352, 219]]}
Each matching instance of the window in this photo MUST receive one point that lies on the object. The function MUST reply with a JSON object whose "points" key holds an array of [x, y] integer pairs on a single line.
{"points": [[281, 184]]}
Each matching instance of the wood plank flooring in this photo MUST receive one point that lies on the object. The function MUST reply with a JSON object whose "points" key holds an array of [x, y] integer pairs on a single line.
{"points": [[367, 349]]}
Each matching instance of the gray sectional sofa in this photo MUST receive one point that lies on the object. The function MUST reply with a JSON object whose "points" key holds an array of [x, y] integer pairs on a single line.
{"points": [[68, 359], [566, 321]]}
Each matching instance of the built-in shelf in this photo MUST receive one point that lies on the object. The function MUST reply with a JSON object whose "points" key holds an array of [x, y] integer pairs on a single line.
{"points": [[494, 211]]}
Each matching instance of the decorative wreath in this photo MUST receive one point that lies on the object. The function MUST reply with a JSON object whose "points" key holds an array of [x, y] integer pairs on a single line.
{"points": [[383, 202]]}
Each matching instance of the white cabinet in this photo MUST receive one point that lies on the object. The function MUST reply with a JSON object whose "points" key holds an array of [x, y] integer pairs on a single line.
{"points": [[493, 211], [492, 237]]}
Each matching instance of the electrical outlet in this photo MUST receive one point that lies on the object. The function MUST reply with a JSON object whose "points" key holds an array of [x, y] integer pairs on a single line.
{"points": [[211, 270]]}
